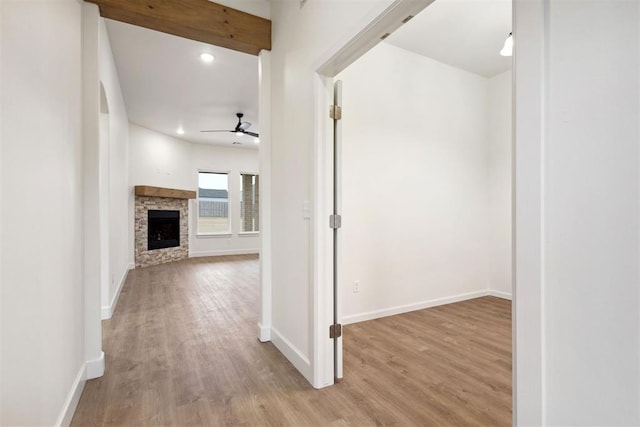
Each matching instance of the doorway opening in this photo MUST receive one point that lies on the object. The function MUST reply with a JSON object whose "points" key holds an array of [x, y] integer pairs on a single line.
{"points": [[424, 179], [155, 140]]}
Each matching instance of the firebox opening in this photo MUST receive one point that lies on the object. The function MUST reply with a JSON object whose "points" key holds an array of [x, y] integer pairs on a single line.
{"points": [[164, 229]]}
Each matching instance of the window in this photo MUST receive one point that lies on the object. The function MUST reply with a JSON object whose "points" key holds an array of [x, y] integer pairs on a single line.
{"points": [[249, 197], [213, 203]]}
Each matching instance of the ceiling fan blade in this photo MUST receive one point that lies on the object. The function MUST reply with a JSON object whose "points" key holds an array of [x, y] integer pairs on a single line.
{"points": [[240, 129]]}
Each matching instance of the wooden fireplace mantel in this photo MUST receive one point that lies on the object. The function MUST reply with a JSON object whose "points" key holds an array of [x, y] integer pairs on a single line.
{"points": [[172, 193]]}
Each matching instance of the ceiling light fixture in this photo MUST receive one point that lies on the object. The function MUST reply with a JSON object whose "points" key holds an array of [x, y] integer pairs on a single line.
{"points": [[180, 131], [507, 49], [257, 140], [238, 133], [207, 57]]}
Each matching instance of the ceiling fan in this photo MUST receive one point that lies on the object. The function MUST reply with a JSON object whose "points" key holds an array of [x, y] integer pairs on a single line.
{"points": [[240, 129]]}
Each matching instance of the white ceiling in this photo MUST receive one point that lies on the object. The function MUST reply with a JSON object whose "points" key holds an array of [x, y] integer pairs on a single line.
{"points": [[467, 34], [165, 85]]}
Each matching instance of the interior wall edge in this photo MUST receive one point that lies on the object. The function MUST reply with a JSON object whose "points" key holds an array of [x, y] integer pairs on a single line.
{"points": [[73, 397], [293, 354], [107, 311]]}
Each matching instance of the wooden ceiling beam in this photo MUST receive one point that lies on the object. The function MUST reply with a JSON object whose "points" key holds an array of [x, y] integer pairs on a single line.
{"points": [[199, 20]]}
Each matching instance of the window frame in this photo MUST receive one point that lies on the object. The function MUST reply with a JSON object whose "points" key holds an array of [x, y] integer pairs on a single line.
{"points": [[240, 223], [229, 231]]}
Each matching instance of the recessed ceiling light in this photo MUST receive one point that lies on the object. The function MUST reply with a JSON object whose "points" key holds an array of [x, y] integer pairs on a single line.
{"points": [[207, 57], [180, 131]]}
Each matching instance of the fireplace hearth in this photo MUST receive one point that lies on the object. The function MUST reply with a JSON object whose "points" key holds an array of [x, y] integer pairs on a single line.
{"points": [[163, 229]]}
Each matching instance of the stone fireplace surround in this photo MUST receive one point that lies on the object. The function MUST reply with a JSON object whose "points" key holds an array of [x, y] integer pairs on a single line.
{"points": [[157, 198]]}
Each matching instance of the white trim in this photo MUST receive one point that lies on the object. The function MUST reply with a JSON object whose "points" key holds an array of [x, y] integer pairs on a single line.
{"points": [[322, 296], [337, 240], [400, 309], [226, 233], [248, 233], [295, 356], [350, 47], [264, 152], [224, 252], [214, 235], [95, 367], [219, 172], [264, 332], [92, 215], [353, 46], [529, 116], [71, 402], [499, 294], [107, 311]]}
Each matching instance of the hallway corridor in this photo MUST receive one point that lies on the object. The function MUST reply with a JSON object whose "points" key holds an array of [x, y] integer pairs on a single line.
{"points": [[181, 349]]}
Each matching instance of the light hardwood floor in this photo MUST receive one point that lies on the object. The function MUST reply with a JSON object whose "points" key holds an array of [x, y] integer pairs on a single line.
{"points": [[181, 350]]}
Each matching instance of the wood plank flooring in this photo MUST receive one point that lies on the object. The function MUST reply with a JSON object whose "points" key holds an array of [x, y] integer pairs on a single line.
{"points": [[181, 350]]}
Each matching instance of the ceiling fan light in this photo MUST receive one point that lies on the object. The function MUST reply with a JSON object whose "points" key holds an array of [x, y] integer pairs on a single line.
{"points": [[238, 133], [507, 49]]}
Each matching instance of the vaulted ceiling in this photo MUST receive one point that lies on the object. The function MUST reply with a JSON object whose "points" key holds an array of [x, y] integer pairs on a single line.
{"points": [[466, 34], [167, 86]]}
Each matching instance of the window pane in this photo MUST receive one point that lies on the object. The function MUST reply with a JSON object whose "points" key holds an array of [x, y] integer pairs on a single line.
{"points": [[213, 202], [249, 198]]}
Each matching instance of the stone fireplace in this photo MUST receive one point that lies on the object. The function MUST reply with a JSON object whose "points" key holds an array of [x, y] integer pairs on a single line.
{"points": [[161, 225]]}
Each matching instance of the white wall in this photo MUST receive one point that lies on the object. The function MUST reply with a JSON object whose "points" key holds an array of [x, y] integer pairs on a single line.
{"points": [[500, 140], [42, 312], [577, 220], [163, 161], [115, 179], [591, 214], [302, 39], [261, 8], [415, 184]]}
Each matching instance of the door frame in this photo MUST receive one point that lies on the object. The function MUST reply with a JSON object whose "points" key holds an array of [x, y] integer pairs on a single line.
{"points": [[349, 50], [91, 100], [527, 288], [264, 167]]}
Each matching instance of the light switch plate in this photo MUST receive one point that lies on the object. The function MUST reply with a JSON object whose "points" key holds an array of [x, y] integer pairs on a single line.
{"points": [[306, 209]]}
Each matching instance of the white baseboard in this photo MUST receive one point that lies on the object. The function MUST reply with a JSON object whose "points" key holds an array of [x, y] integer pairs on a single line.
{"points": [[499, 294], [107, 311], [295, 356], [95, 367], [264, 333], [224, 252], [71, 402], [391, 311]]}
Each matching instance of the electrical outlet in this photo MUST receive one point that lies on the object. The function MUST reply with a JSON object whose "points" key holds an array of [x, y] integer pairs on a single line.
{"points": [[306, 210], [356, 286]]}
